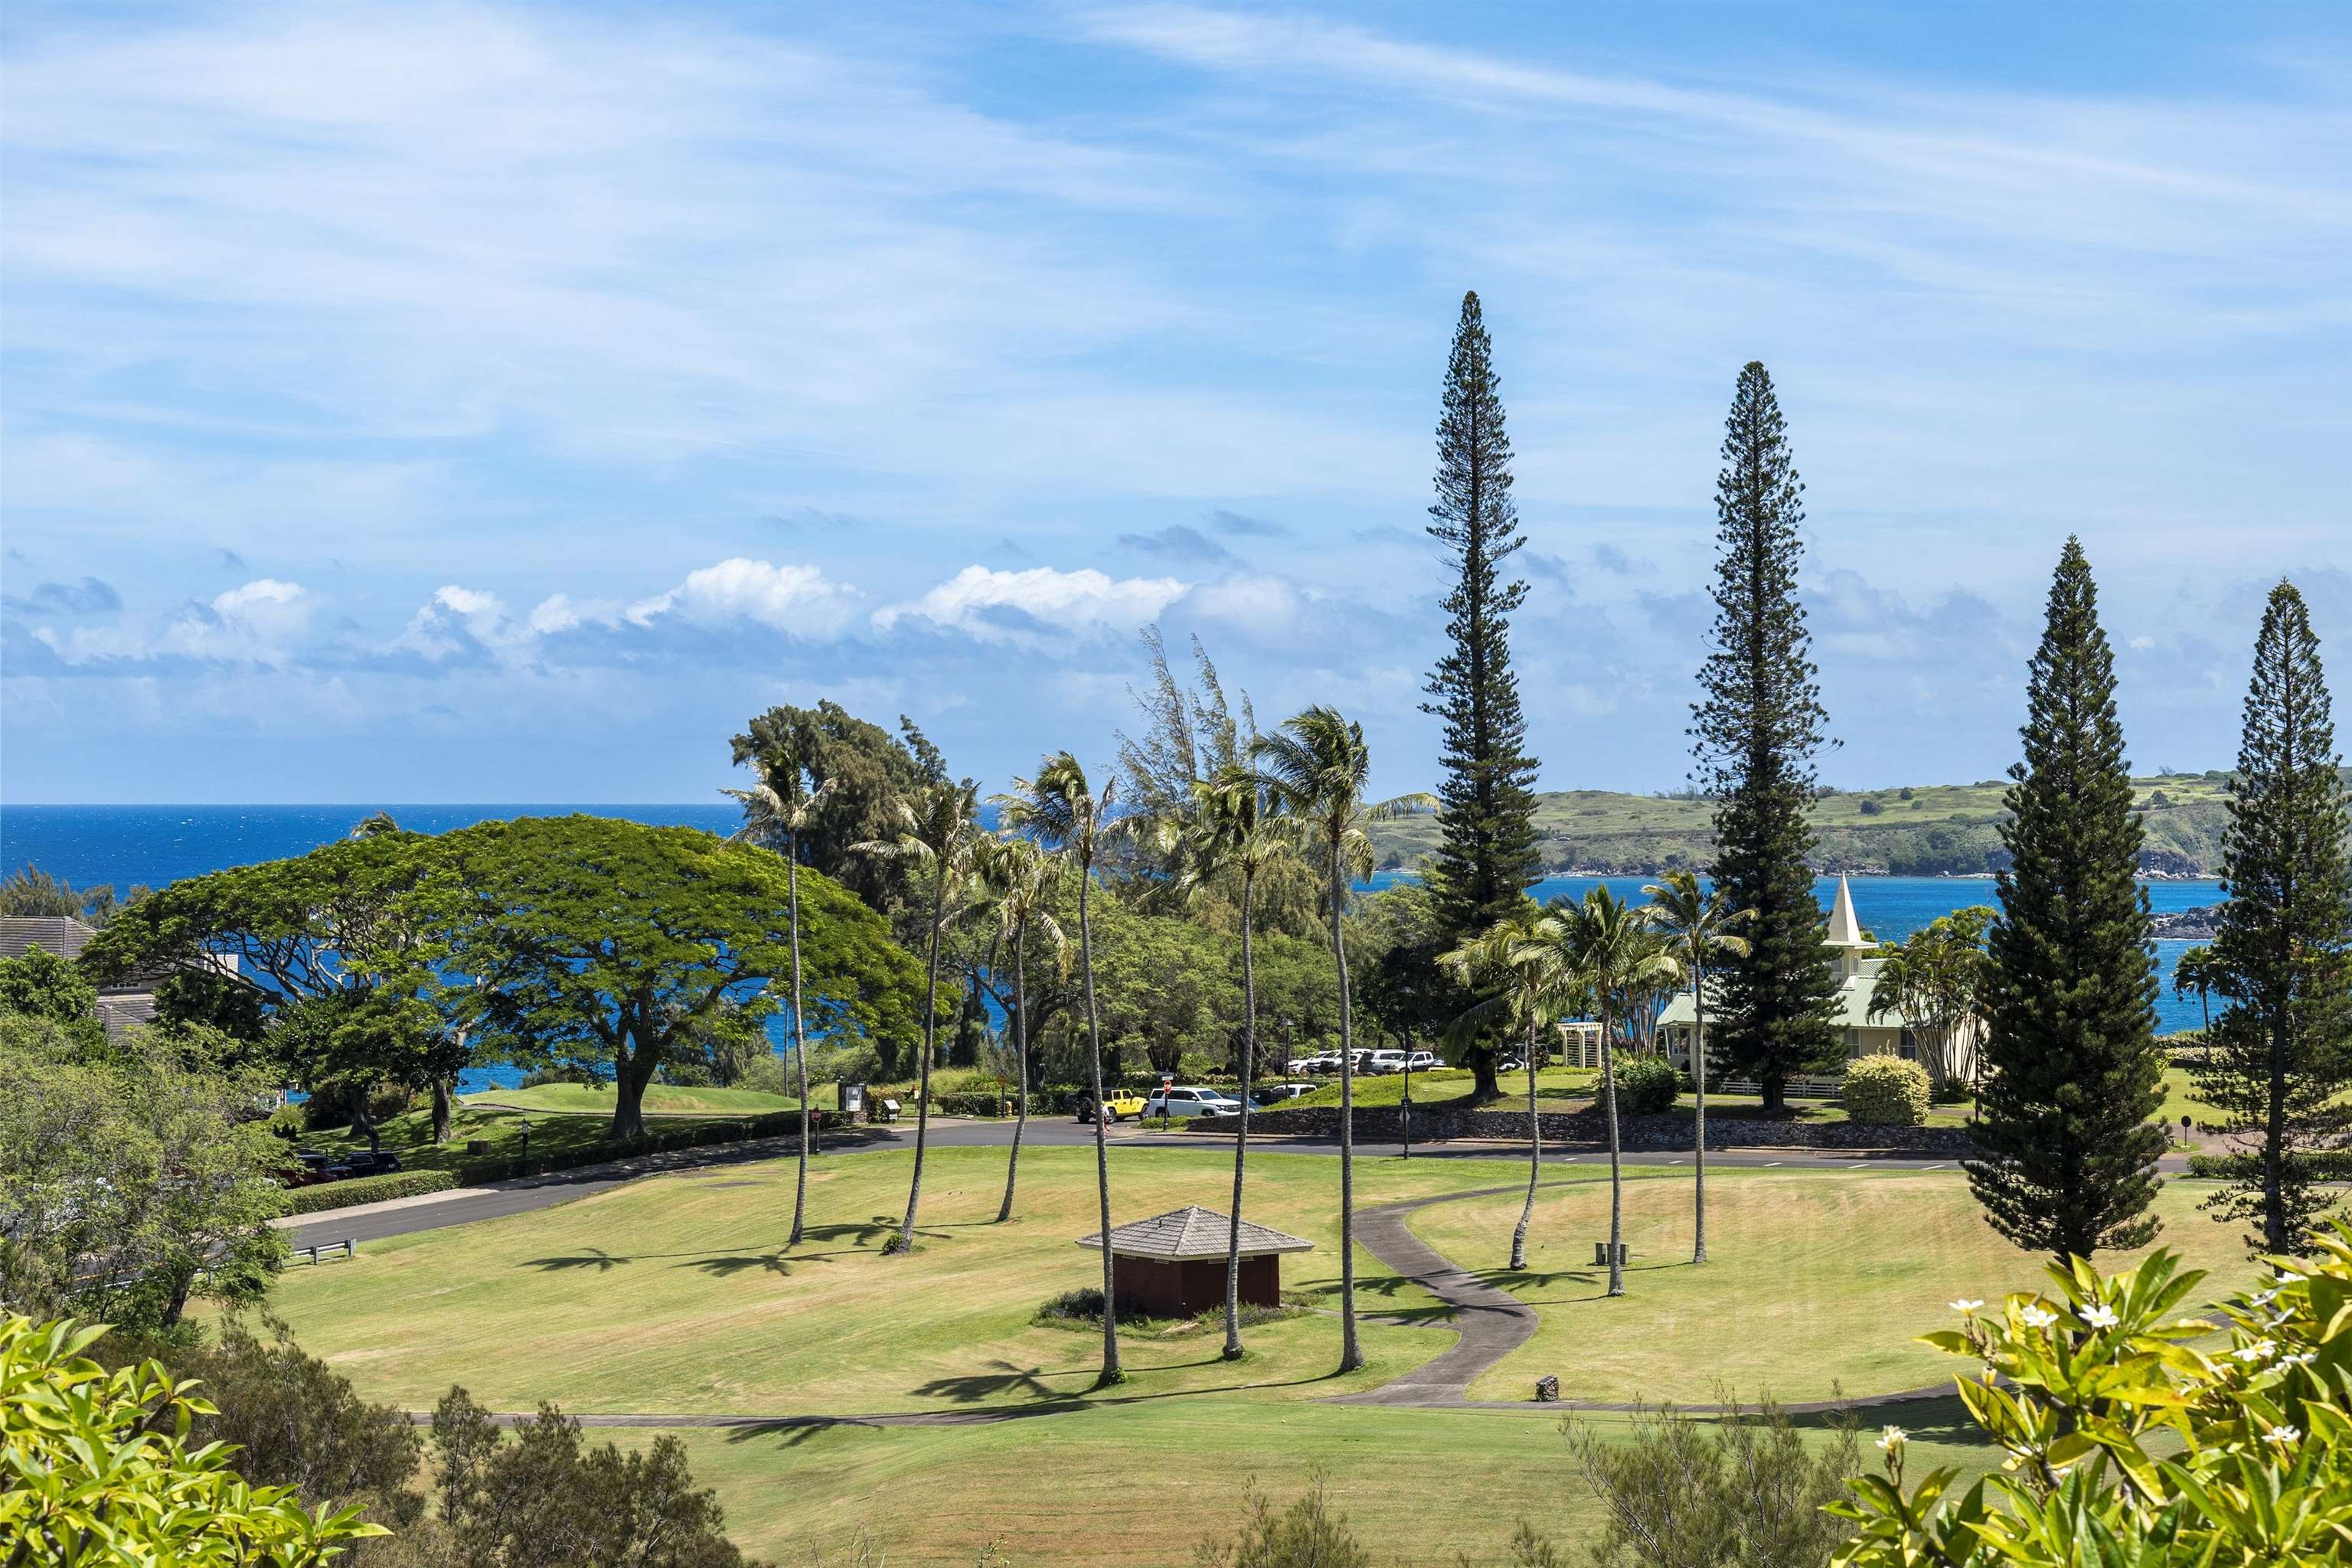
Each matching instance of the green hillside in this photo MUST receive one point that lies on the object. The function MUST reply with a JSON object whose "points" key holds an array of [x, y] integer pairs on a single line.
{"points": [[1920, 830]]}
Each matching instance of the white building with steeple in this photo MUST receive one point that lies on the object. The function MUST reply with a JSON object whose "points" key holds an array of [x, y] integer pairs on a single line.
{"points": [[1857, 967]]}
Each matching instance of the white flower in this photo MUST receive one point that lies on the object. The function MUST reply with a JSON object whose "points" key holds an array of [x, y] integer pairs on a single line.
{"points": [[2260, 1349], [1891, 1438], [2300, 1358], [2288, 1277], [2265, 1299], [1970, 1306], [2100, 1317], [2036, 1318], [2283, 1435]]}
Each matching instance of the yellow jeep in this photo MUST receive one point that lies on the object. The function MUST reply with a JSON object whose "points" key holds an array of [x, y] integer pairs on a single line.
{"points": [[1124, 1104]]}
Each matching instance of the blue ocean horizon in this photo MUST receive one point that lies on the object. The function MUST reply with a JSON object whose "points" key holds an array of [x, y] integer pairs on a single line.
{"points": [[126, 846]]}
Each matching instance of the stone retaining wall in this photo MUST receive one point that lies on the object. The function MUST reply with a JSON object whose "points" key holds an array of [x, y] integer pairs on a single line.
{"points": [[1385, 1124]]}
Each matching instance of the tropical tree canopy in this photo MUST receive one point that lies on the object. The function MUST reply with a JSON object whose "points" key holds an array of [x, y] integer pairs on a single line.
{"points": [[607, 943], [1936, 980]]}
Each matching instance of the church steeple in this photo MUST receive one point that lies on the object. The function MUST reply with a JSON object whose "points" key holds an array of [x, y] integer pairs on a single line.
{"points": [[1845, 931]]}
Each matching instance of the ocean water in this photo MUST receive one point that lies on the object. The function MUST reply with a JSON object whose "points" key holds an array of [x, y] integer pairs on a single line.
{"points": [[123, 845]]}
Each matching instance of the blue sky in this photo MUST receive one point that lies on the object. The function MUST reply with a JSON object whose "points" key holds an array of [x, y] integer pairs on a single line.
{"points": [[474, 402]]}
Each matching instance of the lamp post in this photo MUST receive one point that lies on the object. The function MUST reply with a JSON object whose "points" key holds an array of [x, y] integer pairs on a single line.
{"points": [[1404, 1105]]}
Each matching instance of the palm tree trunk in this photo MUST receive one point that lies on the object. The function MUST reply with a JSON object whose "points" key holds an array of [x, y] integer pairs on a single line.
{"points": [[1021, 1061], [800, 1035], [1616, 1175], [1534, 1159], [1110, 1371], [1698, 1117], [442, 1110], [1352, 1354], [923, 1079], [1241, 1135]]}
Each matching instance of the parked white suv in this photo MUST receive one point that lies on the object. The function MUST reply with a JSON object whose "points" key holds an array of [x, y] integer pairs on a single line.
{"points": [[1381, 1062], [1424, 1061], [1191, 1100]]}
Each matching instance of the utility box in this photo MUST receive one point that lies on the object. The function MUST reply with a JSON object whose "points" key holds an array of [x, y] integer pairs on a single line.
{"points": [[851, 1098]]}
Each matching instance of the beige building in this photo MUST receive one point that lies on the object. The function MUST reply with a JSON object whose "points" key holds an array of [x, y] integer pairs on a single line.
{"points": [[1889, 1034]]}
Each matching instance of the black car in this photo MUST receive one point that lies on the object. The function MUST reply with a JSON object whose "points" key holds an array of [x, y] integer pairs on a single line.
{"points": [[365, 1164]]}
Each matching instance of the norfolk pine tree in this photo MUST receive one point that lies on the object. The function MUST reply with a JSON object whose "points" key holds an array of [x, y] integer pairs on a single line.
{"points": [[2066, 1145], [1755, 732], [2281, 1051], [1486, 854]]}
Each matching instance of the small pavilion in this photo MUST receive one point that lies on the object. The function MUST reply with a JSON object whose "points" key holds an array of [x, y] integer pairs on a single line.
{"points": [[1174, 1265]]}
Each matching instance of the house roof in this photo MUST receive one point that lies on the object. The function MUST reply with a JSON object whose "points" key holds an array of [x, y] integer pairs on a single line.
{"points": [[60, 936], [1851, 1010], [1193, 1232]]}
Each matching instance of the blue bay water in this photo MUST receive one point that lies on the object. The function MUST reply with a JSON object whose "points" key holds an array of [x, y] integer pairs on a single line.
{"points": [[125, 845]]}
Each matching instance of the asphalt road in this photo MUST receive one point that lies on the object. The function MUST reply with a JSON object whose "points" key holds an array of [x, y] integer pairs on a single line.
{"points": [[545, 1192]]}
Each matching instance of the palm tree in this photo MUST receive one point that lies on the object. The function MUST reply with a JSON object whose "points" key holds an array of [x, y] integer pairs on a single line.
{"points": [[1697, 924], [1315, 767], [935, 832], [1236, 829], [1018, 879], [780, 808], [2196, 971], [1523, 981], [1606, 946], [1063, 812]]}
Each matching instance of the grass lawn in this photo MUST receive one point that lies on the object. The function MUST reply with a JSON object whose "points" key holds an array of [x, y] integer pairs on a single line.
{"points": [[1816, 1279], [673, 1294], [661, 1099], [1142, 1484]]}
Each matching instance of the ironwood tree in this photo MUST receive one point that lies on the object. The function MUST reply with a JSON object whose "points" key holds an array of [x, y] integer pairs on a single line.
{"points": [[1486, 856], [2280, 1054], [2065, 1137], [1755, 730]]}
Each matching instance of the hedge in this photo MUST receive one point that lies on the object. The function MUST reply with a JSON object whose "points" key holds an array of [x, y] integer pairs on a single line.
{"points": [[666, 1140], [367, 1190], [2324, 1165], [1647, 1085]]}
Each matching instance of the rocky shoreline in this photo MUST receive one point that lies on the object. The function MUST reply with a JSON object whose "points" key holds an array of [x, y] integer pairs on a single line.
{"points": [[2185, 925]]}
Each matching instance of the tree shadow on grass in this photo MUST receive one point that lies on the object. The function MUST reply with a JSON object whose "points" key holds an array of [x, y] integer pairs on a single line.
{"points": [[727, 1265], [973, 1387], [595, 1257]]}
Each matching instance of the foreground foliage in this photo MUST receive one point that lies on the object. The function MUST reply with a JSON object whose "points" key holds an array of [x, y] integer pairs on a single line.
{"points": [[1743, 1493], [101, 1468], [2128, 1444]]}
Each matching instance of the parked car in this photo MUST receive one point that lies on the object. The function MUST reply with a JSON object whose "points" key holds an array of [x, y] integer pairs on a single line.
{"points": [[1124, 1104], [1300, 1065], [1276, 1094], [362, 1164], [1184, 1100], [1424, 1061], [1379, 1063]]}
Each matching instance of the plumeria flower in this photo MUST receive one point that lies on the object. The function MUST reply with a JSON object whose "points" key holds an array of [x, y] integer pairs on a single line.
{"points": [[2265, 1299], [2260, 1349], [2283, 1434], [1967, 1306], [2288, 1277], [1891, 1438], [2100, 1317], [2300, 1358], [2038, 1317]]}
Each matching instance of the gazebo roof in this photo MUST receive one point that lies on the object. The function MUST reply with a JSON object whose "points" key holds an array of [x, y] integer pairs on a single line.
{"points": [[1193, 1232]]}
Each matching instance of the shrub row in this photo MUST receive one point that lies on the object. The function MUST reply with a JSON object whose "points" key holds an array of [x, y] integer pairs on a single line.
{"points": [[2324, 1165], [367, 1190], [661, 1141]]}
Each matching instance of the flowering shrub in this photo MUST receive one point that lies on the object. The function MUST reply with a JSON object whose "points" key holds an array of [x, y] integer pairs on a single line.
{"points": [[2084, 1386]]}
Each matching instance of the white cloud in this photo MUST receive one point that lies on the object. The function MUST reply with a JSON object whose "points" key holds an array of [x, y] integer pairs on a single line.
{"points": [[797, 599], [260, 622], [1010, 606]]}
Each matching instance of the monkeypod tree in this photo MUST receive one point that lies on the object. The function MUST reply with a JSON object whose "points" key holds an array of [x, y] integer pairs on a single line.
{"points": [[597, 942]]}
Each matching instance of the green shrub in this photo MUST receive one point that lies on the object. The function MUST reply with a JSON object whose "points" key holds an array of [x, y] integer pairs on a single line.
{"points": [[1887, 1091], [1647, 1085], [367, 1190], [989, 1104]]}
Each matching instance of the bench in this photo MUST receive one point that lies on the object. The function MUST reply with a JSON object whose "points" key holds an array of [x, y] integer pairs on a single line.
{"points": [[319, 1254]]}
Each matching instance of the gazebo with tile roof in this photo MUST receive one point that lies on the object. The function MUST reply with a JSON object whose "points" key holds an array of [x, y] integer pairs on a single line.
{"points": [[1174, 1265]]}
